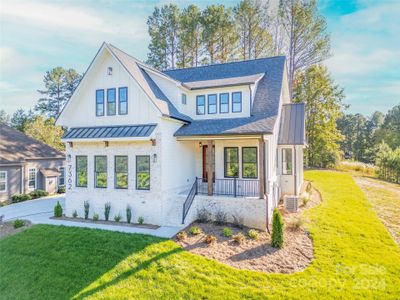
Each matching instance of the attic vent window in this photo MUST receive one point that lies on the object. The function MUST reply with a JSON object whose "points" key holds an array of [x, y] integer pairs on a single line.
{"points": [[109, 71]]}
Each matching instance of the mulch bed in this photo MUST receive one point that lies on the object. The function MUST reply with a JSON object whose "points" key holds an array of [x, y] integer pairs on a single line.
{"points": [[82, 220], [258, 255], [7, 228]]}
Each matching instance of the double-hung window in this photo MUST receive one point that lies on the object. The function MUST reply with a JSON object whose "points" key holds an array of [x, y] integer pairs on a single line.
{"points": [[123, 100], [3, 181], [121, 172], [32, 178], [237, 102], [99, 102], [143, 172], [61, 178], [287, 166], [212, 104], [231, 162], [81, 171], [224, 103], [201, 105], [249, 162], [100, 171], [111, 104], [183, 98]]}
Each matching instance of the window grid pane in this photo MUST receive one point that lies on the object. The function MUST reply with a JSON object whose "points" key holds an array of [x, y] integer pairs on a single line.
{"points": [[100, 165], [111, 102], [143, 172], [224, 103], [81, 171], [287, 166], [121, 172], [212, 104], [3, 181], [123, 100], [249, 162], [231, 161], [100, 103], [32, 179], [61, 178], [237, 102], [200, 105]]}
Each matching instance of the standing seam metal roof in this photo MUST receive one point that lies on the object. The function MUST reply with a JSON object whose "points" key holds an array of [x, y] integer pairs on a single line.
{"points": [[292, 125]]}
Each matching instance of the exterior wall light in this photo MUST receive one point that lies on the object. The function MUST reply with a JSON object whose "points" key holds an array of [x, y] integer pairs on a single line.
{"points": [[109, 71]]}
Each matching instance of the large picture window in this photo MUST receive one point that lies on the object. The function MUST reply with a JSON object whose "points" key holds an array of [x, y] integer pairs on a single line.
{"points": [[212, 104], [249, 162], [143, 172], [99, 102], [100, 171], [61, 178], [224, 103], [287, 166], [32, 178], [121, 172], [3, 181], [231, 162], [237, 102], [111, 104], [81, 171], [201, 105], [123, 100]]}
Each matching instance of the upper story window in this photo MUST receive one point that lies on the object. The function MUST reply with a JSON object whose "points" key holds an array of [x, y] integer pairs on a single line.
{"points": [[81, 171], [32, 178], [287, 165], [184, 99], [212, 104], [224, 103], [123, 100], [99, 102], [100, 171], [237, 102], [3, 181], [201, 105], [111, 104]]}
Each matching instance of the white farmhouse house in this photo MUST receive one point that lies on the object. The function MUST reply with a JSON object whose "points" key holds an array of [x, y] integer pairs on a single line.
{"points": [[223, 137]]}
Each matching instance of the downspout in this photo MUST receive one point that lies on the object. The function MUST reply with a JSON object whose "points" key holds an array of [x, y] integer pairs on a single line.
{"points": [[264, 184], [295, 171], [251, 98]]}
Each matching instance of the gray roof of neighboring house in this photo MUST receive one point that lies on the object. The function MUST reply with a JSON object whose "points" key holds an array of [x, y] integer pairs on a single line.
{"points": [[223, 82], [50, 172], [100, 132], [265, 104], [16, 147], [292, 125]]}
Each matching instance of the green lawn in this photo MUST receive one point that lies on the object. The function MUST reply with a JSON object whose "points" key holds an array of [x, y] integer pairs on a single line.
{"points": [[355, 257]]}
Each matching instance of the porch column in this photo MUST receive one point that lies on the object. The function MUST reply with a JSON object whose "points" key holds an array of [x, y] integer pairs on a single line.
{"points": [[210, 170], [261, 165]]}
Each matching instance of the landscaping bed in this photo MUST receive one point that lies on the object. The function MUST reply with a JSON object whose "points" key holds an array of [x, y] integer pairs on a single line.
{"points": [[256, 254], [7, 228], [82, 220]]}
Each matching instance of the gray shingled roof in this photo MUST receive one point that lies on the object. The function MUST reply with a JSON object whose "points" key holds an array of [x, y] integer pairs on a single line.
{"points": [[266, 101], [16, 147], [292, 126], [100, 132]]}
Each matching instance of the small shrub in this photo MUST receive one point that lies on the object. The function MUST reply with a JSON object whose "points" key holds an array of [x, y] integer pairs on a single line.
{"points": [[296, 224], [239, 238], [253, 234], [194, 230], [107, 209], [277, 229], [141, 220], [58, 210], [237, 221], [86, 206], [38, 193], [227, 232], [18, 223], [117, 218], [203, 216], [210, 239], [75, 214], [20, 197], [181, 235], [95, 217], [220, 217], [61, 190], [128, 214]]}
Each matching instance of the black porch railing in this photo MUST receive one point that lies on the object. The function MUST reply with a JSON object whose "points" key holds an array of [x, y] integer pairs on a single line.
{"points": [[189, 200], [230, 187]]}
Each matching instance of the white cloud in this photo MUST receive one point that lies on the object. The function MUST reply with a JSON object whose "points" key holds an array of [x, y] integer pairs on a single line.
{"points": [[12, 61]]}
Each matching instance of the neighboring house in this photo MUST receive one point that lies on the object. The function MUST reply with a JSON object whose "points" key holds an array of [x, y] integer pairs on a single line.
{"points": [[27, 164], [220, 137]]}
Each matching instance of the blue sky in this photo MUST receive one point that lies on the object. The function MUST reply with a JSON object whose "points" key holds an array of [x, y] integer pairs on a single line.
{"points": [[36, 36]]}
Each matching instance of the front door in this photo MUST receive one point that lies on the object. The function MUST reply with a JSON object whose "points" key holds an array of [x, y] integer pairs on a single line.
{"points": [[205, 173]]}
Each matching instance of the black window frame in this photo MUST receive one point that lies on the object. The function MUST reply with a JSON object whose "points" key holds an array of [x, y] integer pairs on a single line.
{"points": [[291, 161], [256, 162], [197, 104], [241, 102], [96, 172], [220, 103], [137, 173], [61, 169], [98, 103], [115, 102], [119, 100], [115, 172], [225, 162], [76, 171], [215, 104]]}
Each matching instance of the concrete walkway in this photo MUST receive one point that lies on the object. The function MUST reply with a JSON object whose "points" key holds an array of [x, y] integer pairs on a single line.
{"points": [[40, 211]]}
